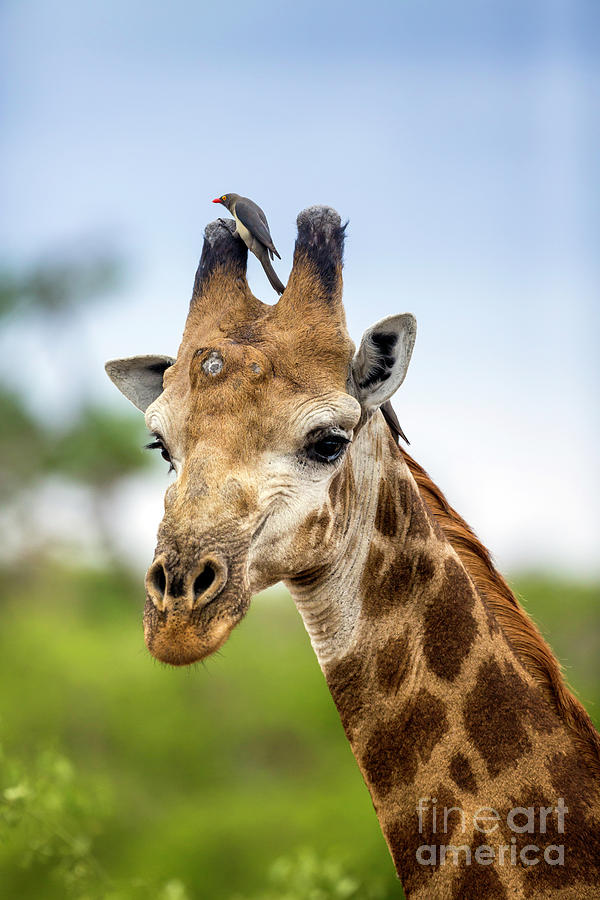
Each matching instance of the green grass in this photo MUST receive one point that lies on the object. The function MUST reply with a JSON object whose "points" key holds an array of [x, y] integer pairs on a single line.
{"points": [[192, 783]]}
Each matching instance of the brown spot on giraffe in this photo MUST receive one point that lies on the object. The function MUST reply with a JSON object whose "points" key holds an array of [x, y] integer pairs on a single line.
{"points": [[341, 494], [494, 712], [314, 529], [450, 626], [373, 577], [386, 584], [404, 840], [413, 509], [397, 746], [423, 568], [405, 494], [544, 718], [478, 882], [345, 680], [392, 662], [419, 523], [386, 517], [461, 773]]}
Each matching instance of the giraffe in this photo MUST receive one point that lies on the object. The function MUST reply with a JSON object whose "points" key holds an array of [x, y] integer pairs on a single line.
{"points": [[482, 766]]}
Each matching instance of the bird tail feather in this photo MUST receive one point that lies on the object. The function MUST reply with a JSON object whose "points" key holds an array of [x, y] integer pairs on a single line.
{"points": [[391, 418], [272, 275]]}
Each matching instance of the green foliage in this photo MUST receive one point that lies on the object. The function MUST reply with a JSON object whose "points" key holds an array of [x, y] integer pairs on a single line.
{"points": [[47, 820], [49, 817], [306, 876]]}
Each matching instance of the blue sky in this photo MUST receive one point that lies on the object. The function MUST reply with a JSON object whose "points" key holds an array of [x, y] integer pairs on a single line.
{"points": [[460, 140]]}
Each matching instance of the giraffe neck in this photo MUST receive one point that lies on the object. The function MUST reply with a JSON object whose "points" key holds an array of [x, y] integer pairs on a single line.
{"points": [[442, 717]]}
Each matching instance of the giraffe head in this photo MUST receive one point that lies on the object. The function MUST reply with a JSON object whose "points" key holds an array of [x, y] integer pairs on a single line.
{"points": [[256, 414]]}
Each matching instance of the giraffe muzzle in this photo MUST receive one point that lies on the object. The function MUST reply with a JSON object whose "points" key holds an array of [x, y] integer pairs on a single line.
{"points": [[190, 614]]}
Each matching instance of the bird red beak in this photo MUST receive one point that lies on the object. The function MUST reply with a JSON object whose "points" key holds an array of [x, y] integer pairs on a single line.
{"points": [[218, 200]]}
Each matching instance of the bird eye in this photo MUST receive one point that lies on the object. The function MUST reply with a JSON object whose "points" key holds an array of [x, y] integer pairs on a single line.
{"points": [[158, 444], [328, 448], [224, 197]]}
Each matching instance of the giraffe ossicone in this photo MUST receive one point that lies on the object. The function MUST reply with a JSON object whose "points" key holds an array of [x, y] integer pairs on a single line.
{"points": [[286, 471]]}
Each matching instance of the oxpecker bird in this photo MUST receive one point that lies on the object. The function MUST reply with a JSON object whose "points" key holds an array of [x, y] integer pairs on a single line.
{"points": [[253, 228]]}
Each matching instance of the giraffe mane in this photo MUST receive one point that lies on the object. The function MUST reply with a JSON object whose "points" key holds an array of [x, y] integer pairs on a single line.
{"points": [[520, 631]]}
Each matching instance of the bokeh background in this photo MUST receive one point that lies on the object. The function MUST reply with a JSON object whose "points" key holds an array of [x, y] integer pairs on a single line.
{"points": [[460, 140]]}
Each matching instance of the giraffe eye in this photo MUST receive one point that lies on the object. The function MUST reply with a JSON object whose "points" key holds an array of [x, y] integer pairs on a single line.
{"points": [[327, 448]]}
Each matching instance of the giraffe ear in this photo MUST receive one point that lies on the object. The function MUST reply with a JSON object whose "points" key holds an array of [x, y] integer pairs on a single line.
{"points": [[139, 378], [379, 366]]}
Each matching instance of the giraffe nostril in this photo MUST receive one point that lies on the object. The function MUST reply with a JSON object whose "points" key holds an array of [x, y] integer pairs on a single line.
{"points": [[204, 580], [159, 579], [169, 588], [156, 583]]}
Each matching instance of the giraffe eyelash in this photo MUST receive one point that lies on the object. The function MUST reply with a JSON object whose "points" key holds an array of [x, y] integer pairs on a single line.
{"points": [[158, 444]]}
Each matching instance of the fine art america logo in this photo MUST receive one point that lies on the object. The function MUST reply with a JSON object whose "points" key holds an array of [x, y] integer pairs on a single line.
{"points": [[486, 820]]}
